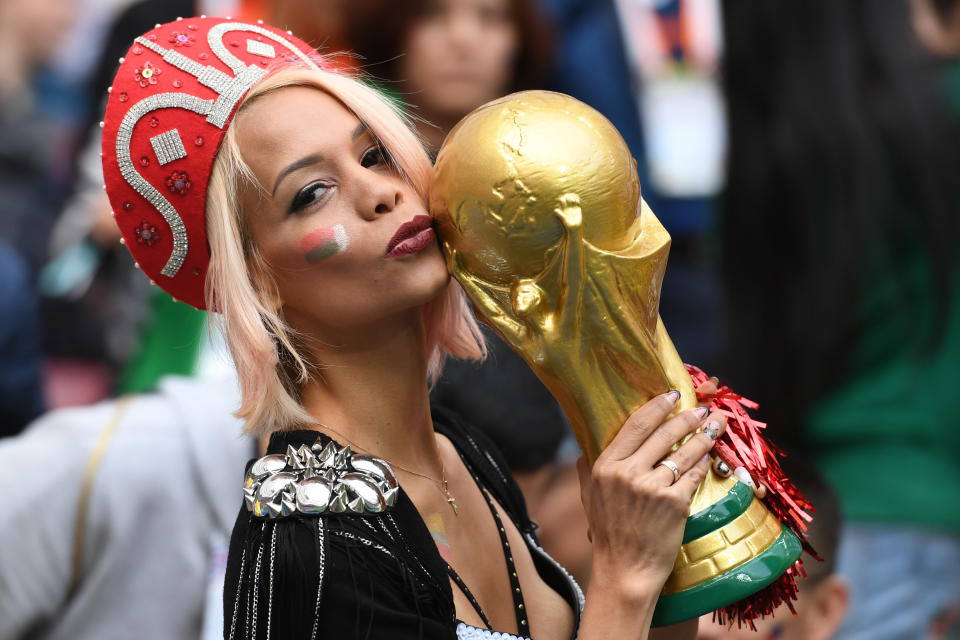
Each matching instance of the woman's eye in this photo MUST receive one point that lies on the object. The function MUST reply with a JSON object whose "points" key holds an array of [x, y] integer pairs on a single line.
{"points": [[373, 157], [307, 196]]}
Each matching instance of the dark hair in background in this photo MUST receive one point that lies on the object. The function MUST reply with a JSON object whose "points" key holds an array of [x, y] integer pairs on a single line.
{"points": [[377, 29], [944, 8], [824, 532], [842, 158], [504, 398]]}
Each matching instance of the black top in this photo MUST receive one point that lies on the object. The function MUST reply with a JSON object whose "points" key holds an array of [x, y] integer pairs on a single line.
{"points": [[344, 575]]}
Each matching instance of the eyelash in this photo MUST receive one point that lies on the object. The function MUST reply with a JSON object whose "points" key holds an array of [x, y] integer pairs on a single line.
{"points": [[303, 198], [372, 157], [378, 153]]}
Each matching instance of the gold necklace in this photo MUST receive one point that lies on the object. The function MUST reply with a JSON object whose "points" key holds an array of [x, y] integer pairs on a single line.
{"points": [[443, 485]]}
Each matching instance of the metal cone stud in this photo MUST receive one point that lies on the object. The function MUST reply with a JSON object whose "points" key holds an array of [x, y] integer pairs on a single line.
{"points": [[390, 496], [342, 456], [338, 504], [273, 510], [356, 505], [307, 457], [293, 460], [327, 456]]}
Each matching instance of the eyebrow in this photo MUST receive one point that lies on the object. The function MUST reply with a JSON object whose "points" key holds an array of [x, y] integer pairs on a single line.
{"points": [[313, 158], [296, 165]]}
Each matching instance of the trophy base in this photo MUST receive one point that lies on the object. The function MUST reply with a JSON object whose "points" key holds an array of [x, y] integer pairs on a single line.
{"points": [[734, 585]]}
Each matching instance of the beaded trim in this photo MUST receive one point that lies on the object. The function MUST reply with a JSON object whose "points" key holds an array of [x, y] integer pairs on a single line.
{"points": [[468, 632], [319, 479]]}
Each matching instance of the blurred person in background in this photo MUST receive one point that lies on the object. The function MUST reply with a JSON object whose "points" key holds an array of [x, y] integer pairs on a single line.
{"points": [[824, 595], [937, 23], [107, 330], [21, 389], [445, 58], [118, 516], [674, 49], [840, 238], [29, 34], [318, 22]]}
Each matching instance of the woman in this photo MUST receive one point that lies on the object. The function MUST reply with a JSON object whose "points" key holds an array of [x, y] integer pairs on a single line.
{"points": [[445, 58], [338, 310], [842, 128]]}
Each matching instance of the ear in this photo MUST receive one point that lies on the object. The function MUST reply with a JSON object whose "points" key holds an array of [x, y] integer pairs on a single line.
{"points": [[825, 608]]}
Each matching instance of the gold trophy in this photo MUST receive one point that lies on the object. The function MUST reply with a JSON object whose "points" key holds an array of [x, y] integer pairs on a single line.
{"points": [[538, 207]]}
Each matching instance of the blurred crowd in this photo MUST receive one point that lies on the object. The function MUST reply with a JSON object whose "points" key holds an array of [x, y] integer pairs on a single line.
{"points": [[805, 157]]}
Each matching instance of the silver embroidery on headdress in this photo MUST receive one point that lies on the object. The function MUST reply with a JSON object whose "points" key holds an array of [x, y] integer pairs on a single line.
{"points": [[168, 146], [229, 91], [262, 49], [140, 184], [317, 479]]}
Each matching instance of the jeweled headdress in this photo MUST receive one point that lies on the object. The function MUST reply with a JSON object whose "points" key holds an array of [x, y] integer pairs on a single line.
{"points": [[173, 97]]}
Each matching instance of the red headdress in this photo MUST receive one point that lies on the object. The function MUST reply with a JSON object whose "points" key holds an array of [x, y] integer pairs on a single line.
{"points": [[173, 97]]}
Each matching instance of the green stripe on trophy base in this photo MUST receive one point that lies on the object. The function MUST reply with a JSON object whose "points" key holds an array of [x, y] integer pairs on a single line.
{"points": [[738, 583], [720, 513]]}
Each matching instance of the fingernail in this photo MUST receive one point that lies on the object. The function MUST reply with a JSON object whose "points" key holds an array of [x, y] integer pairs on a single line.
{"points": [[701, 412], [673, 396], [705, 457], [712, 430], [743, 476], [722, 468]]}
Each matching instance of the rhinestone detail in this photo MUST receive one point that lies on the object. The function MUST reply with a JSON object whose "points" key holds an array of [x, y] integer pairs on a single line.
{"points": [[261, 49], [168, 146]]}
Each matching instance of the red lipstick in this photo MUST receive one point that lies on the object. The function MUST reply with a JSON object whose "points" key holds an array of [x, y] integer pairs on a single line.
{"points": [[412, 237]]}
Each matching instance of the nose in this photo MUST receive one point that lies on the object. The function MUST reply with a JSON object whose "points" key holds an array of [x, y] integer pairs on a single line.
{"points": [[380, 195]]}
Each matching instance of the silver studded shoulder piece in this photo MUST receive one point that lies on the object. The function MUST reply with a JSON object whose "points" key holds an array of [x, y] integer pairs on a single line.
{"points": [[319, 479]]}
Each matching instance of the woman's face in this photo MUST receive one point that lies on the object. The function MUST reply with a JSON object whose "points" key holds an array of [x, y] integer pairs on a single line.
{"points": [[346, 239], [459, 55]]}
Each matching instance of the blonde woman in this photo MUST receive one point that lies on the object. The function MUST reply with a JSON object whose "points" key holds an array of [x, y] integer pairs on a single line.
{"points": [[369, 517]]}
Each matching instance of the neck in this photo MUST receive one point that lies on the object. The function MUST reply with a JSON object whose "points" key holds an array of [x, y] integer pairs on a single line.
{"points": [[372, 392]]}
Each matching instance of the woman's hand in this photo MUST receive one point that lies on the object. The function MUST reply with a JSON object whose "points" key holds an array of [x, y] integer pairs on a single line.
{"points": [[637, 509]]}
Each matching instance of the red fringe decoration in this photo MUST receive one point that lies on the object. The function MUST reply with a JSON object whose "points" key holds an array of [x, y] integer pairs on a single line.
{"points": [[764, 602], [743, 445]]}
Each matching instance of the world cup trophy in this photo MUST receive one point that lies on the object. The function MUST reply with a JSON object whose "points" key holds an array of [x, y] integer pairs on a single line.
{"points": [[537, 203]]}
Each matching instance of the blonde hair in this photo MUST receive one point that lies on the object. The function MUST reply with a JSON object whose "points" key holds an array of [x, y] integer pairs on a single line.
{"points": [[268, 355]]}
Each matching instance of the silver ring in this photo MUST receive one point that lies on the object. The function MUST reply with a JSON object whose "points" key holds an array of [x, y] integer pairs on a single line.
{"points": [[670, 464]]}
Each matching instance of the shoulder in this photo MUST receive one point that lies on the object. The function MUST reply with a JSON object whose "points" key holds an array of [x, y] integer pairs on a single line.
{"points": [[346, 575], [350, 568]]}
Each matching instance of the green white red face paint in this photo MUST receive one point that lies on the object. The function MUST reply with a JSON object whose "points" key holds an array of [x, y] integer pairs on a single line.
{"points": [[324, 243]]}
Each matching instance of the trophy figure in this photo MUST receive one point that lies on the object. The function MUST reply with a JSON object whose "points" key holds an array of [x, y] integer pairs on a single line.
{"points": [[539, 212]]}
